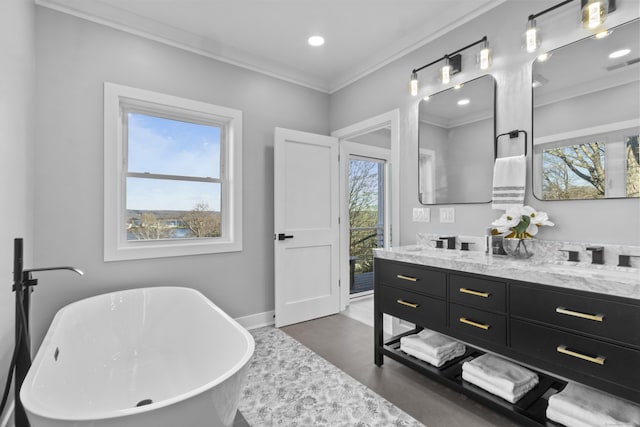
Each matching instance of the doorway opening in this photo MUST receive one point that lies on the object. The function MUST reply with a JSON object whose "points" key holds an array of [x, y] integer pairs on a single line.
{"points": [[366, 200]]}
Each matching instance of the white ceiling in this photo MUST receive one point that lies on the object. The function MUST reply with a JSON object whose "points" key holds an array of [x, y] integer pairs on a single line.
{"points": [[270, 36]]}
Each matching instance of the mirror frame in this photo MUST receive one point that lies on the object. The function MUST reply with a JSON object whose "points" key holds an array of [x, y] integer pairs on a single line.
{"points": [[533, 145], [494, 142]]}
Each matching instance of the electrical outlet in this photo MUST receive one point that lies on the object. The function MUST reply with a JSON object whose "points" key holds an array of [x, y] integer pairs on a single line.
{"points": [[447, 215], [421, 214]]}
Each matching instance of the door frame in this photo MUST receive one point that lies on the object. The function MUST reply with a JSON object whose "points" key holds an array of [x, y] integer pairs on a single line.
{"points": [[391, 120]]}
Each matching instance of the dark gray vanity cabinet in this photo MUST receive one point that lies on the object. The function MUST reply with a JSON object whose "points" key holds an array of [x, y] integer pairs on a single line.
{"points": [[560, 333]]}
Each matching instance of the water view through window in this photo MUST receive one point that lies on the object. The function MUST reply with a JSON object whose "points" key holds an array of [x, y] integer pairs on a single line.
{"points": [[174, 181]]}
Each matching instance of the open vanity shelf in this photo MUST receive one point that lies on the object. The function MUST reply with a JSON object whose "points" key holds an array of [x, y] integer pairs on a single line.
{"points": [[529, 410], [557, 332]]}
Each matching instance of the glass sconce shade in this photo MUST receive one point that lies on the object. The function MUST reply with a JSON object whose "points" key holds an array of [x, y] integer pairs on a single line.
{"points": [[594, 13], [445, 71], [484, 57], [531, 37], [413, 84]]}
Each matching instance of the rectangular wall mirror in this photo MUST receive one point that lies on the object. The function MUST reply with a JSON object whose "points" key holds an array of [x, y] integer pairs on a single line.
{"points": [[456, 143], [586, 118]]}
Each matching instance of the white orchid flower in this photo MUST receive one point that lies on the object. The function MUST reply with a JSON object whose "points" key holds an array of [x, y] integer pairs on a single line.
{"points": [[521, 222]]}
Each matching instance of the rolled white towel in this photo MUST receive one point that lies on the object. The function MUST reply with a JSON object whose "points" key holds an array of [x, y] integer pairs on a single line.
{"points": [[435, 361], [432, 343], [505, 375], [511, 397], [578, 405]]}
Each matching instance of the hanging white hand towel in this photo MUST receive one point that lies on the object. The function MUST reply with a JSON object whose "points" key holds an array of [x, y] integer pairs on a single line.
{"points": [[578, 405], [509, 177]]}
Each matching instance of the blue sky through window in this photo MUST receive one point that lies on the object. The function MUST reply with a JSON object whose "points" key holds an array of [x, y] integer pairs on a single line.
{"points": [[171, 147]]}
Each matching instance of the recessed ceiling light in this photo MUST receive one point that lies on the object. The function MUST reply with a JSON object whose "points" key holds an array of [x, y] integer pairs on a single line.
{"points": [[316, 40], [463, 102], [619, 53]]}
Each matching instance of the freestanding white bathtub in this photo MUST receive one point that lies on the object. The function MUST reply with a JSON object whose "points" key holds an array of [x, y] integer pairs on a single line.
{"points": [[167, 349]]}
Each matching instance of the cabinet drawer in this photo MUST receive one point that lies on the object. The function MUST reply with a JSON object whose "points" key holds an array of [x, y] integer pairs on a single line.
{"points": [[602, 318], [611, 362], [482, 293], [478, 324], [415, 308], [412, 277]]}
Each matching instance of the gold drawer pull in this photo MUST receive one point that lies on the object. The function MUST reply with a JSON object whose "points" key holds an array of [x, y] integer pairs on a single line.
{"points": [[564, 350], [595, 317], [409, 278], [476, 293], [476, 324], [408, 304]]}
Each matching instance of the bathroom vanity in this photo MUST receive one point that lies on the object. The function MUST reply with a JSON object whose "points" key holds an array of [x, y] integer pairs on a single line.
{"points": [[563, 321]]}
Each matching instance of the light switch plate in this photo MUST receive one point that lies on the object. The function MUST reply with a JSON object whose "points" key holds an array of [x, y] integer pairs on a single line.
{"points": [[421, 214], [447, 215]]}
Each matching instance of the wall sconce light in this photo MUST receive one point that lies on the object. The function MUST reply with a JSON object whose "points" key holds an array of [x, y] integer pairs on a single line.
{"points": [[593, 12], [485, 56], [413, 83], [452, 65], [531, 37]]}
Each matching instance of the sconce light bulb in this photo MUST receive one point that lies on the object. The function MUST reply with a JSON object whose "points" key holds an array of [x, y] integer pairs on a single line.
{"points": [[532, 38], [485, 58], [445, 72], [594, 13], [413, 84]]}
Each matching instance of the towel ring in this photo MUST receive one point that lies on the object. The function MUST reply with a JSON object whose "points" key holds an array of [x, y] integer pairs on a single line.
{"points": [[512, 134]]}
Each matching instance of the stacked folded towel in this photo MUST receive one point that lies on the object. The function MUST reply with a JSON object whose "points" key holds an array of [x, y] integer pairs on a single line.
{"points": [[500, 377], [580, 406], [432, 347]]}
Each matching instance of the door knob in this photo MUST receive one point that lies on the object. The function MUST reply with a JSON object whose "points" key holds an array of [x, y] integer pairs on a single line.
{"points": [[283, 236]]}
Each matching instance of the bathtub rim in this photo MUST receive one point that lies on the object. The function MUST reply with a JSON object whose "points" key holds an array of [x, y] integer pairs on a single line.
{"points": [[33, 406]]}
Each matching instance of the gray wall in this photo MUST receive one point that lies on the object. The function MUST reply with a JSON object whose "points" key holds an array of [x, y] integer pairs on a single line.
{"points": [[74, 58], [17, 28], [387, 88]]}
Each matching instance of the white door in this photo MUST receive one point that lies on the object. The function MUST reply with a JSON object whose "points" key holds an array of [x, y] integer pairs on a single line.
{"points": [[306, 210]]}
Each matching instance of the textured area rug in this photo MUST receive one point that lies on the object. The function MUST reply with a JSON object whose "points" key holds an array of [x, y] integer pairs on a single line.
{"points": [[289, 385]]}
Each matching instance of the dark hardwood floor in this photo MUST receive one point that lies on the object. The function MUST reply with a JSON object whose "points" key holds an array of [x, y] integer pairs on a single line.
{"points": [[348, 344]]}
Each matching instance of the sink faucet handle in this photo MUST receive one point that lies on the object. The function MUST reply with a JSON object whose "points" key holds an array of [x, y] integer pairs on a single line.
{"points": [[451, 241], [597, 254], [625, 260], [573, 255]]}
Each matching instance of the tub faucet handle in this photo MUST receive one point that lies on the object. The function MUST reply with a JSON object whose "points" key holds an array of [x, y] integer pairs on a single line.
{"points": [[597, 254]]}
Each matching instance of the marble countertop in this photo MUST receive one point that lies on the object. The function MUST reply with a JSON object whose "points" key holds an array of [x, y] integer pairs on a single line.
{"points": [[610, 280]]}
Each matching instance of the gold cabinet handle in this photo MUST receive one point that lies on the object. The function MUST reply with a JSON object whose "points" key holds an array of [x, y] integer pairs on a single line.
{"points": [[409, 278], [564, 350], [476, 293], [472, 323], [594, 317], [408, 304]]}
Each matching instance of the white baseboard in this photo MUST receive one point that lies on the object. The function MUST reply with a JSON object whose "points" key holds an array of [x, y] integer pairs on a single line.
{"points": [[258, 320]]}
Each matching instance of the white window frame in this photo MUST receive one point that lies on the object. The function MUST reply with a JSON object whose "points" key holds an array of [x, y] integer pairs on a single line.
{"points": [[116, 246]]}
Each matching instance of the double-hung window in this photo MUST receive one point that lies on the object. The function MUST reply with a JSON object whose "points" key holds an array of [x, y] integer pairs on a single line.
{"points": [[173, 175]]}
